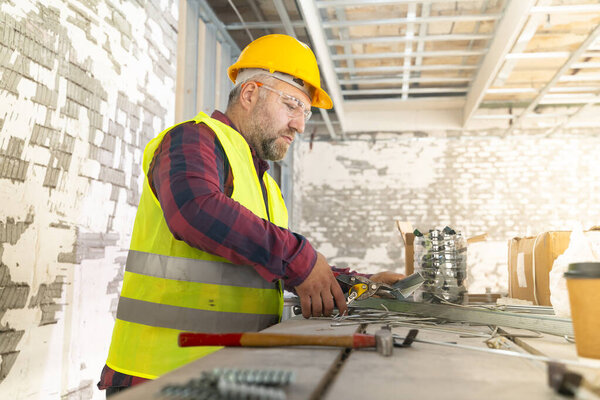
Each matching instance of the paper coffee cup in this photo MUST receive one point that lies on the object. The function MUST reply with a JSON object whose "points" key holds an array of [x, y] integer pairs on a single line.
{"points": [[583, 284]]}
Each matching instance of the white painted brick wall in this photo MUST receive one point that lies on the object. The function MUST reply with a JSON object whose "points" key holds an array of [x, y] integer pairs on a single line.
{"points": [[348, 194], [83, 86]]}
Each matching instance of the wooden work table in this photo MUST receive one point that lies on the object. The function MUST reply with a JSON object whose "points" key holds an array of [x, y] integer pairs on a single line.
{"points": [[422, 371]]}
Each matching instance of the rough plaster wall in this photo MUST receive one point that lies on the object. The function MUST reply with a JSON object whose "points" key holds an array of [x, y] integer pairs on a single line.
{"points": [[349, 194], [84, 84]]}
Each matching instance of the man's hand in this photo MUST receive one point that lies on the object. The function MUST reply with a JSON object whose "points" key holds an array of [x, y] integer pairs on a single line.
{"points": [[387, 277], [320, 290]]}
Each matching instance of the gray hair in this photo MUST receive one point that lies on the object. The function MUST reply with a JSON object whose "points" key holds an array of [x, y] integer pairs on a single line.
{"points": [[234, 94]]}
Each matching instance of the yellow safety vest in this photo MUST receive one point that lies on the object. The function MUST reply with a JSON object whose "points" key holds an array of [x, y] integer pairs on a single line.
{"points": [[170, 287]]}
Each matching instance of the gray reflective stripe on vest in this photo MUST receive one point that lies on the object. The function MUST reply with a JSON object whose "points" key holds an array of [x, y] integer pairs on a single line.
{"points": [[190, 319], [191, 270]]}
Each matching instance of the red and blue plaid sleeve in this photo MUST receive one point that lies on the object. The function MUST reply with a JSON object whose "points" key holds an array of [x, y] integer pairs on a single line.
{"points": [[191, 178], [111, 378]]}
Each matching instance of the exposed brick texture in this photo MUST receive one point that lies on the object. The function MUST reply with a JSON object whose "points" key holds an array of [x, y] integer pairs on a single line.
{"points": [[349, 194], [12, 166], [11, 231], [46, 299], [85, 84], [13, 295]]}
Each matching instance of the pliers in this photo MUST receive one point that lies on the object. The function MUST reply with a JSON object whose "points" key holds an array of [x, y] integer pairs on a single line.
{"points": [[363, 288]]}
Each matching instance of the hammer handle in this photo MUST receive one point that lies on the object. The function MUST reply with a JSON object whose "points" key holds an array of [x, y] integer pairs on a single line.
{"points": [[259, 339]]}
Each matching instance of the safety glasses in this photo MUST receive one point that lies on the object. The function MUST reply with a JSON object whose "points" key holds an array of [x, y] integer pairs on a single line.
{"points": [[294, 107]]}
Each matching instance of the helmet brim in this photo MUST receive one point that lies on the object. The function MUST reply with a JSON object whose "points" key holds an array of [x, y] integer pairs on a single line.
{"points": [[321, 99]]}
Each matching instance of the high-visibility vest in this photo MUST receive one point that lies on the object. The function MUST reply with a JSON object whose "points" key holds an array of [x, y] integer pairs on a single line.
{"points": [[170, 287]]}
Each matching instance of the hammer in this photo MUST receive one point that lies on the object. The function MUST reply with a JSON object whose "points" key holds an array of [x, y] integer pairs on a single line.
{"points": [[382, 340]]}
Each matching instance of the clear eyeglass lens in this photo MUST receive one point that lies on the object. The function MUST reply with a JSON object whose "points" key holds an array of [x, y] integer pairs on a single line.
{"points": [[294, 106], [295, 109]]}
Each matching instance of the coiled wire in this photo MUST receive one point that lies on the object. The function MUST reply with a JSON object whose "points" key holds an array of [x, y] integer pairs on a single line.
{"points": [[233, 383]]}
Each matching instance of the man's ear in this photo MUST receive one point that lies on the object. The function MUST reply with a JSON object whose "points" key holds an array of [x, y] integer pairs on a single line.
{"points": [[249, 95]]}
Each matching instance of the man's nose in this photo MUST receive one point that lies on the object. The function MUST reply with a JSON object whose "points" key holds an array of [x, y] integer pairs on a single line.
{"points": [[297, 123]]}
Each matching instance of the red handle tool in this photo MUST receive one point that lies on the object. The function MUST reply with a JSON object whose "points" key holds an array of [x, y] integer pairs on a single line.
{"points": [[260, 339]]}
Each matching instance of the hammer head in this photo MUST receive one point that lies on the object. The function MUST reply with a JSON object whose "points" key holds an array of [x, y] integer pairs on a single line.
{"points": [[384, 342], [562, 380]]}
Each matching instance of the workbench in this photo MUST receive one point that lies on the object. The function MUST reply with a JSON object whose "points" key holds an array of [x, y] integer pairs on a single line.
{"points": [[421, 371]]}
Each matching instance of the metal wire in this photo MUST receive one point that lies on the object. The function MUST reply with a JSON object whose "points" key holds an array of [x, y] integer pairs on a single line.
{"points": [[397, 319]]}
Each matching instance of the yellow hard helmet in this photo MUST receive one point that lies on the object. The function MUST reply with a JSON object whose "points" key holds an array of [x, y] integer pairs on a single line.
{"points": [[283, 53]]}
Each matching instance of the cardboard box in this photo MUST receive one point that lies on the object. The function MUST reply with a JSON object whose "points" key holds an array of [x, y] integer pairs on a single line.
{"points": [[406, 230], [530, 260]]}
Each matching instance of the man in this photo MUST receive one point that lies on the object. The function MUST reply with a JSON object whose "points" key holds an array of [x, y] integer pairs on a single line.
{"points": [[210, 244]]}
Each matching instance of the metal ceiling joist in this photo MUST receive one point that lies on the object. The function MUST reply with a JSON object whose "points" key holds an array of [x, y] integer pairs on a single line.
{"points": [[573, 89], [574, 8], [399, 80], [558, 99], [390, 83], [520, 45], [391, 68], [576, 55], [585, 65], [258, 13], [392, 91], [349, 3], [419, 20], [261, 25], [328, 124], [448, 53], [510, 90], [411, 13], [537, 55], [482, 9], [344, 34], [285, 18], [402, 39], [571, 117], [506, 34], [512, 116], [319, 40], [241, 18], [423, 29], [580, 78]]}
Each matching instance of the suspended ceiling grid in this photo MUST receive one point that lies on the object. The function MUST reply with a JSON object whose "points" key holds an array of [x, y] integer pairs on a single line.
{"points": [[419, 65], [430, 50]]}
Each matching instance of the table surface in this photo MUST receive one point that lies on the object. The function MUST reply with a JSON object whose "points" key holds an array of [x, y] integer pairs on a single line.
{"points": [[423, 371]]}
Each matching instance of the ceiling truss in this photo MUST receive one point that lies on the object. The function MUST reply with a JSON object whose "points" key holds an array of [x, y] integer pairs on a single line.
{"points": [[405, 65]]}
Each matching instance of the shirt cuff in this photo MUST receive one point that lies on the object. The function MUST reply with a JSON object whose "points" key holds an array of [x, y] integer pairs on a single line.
{"points": [[301, 264]]}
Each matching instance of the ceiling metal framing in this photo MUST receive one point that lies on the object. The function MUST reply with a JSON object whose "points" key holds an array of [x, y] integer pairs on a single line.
{"points": [[398, 65]]}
